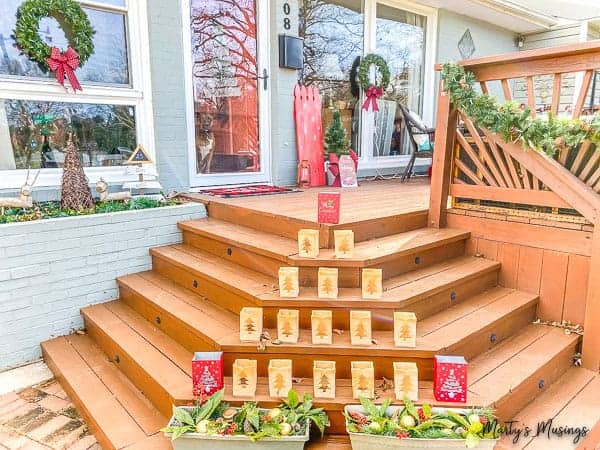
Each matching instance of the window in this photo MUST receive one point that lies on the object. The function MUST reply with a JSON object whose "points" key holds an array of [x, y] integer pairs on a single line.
{"points": [[108, 118]]}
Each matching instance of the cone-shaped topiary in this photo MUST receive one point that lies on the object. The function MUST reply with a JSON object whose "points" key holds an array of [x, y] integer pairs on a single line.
{"points": [[76, 193], [335, 138]]}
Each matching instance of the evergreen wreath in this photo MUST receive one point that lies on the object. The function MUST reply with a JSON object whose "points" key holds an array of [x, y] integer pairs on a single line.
{"points": [[72, 19], [382, 79]]}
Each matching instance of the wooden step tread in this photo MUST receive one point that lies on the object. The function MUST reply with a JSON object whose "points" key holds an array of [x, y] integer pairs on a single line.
{"points": [[168, 297], [436, 334], [573, 400], [219, 271], [377, 251], [141, 350], [257, 241], [366, 253], [330, 442], [114, 409], [527, 363], [402, 290]]}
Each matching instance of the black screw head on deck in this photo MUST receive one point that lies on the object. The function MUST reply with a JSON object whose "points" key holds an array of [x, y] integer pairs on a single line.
{"points": [[229, 251], [541, 384], [158, 321], [452, 296], [195, 283], [417, 260], [117, 359], [493, 338]]}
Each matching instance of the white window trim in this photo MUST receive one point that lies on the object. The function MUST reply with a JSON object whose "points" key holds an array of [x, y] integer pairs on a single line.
{"points": [[367, 160], [138, 94], [198, 181]]}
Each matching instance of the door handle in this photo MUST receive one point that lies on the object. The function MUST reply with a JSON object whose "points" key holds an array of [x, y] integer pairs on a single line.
{"points": [[265, 78]]}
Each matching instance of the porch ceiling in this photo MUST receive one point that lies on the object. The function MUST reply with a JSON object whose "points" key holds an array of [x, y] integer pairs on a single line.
{"points": [[512, 15]]}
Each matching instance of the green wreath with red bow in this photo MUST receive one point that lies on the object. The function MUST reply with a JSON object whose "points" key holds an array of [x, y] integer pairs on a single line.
{"points": [[76, 26], [382, 79]]}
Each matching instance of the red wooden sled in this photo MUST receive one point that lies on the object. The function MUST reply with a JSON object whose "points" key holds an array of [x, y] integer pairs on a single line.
{"points": [[309, 132]]}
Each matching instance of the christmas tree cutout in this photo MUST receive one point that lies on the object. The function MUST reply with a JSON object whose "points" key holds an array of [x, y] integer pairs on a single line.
{"points": [[363, 383], [451, 385], [250, 325], [327, 286], [288, 285], [307, 245], [207, 381], [345, 246], [407, 384], [286, 329], [279, 383], [360, 331], [371, 286], [243, 379], [322, 331], [405, 332], [324, 383]]}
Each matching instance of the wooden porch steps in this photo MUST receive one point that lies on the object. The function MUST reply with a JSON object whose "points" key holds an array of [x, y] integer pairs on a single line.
{"points": [[115, 410], [190, 301], [573, 401]]}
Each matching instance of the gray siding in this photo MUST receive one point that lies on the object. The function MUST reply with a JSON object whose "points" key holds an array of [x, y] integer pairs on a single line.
{"points": [[168, 91]]}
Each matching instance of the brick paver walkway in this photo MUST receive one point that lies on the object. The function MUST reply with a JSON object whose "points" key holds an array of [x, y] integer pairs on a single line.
{"points": [[42, 417]]}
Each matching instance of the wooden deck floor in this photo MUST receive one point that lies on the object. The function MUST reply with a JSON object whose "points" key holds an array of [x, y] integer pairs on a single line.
{"points": [[372, 200]]}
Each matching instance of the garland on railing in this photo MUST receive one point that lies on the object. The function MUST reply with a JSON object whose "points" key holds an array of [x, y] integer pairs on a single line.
{"points": [[513, 121]]}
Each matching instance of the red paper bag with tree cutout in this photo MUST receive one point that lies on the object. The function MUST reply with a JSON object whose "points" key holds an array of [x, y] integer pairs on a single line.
{"points": [[450, 379], [329, 207], [207, 373]]}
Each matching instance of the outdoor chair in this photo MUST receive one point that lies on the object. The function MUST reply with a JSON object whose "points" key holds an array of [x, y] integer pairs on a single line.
{"points": [[421, 139]]}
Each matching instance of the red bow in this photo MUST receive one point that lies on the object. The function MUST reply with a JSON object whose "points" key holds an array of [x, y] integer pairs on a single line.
{"points": [[372, 93], [64, 64]]}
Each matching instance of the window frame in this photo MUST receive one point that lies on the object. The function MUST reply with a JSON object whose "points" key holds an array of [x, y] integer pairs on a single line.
{"points": [[138, 94]]}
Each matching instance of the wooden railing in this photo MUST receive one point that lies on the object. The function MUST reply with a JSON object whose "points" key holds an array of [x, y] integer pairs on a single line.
{"points": [[474, 165]]}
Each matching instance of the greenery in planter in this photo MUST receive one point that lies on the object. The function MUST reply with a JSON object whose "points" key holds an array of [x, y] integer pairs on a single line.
{"points": [[335, 137], [215, 417], [512, 121], [424, 423], [53, 210]]}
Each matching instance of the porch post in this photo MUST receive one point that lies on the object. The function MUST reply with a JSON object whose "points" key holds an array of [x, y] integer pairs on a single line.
{"points": [[591, 339], [445, 132]]}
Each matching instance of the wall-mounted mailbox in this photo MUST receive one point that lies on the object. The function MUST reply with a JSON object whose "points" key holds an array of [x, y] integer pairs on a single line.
{"points": [[291, 52]]}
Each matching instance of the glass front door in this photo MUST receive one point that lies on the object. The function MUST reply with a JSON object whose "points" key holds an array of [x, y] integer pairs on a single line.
{"points": [[228, 89]]}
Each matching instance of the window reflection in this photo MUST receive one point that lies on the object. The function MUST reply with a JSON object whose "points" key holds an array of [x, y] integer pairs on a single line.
{"points": [[401, 41], [333, 32], [34, 134], [108, 65]]}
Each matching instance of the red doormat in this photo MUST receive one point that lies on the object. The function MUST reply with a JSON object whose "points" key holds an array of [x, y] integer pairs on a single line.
{"points": [[248, 191]]}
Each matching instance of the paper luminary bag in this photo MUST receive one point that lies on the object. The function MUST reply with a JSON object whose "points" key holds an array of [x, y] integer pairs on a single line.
{"points": [[280, 377], [372, 283], [406, 380], [328, 282], [289, 286], [405, 329], [251, 324], [288, 323], [308, 243], [207, 373], [244, 378], [344, 243], [324, 379], [450, 379], [363, 379], [360, 328], [329, 207], [322, 327]]}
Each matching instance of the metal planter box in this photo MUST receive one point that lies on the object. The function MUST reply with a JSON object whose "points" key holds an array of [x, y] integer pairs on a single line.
{"points": [[196, 441], [362, 441]]}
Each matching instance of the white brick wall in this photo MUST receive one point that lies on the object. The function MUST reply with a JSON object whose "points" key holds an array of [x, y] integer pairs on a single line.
{"points": [[50, 269]]}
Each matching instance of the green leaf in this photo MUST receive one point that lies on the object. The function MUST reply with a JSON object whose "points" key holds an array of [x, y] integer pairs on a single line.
{"points": [[427, 410], [460, 419], [472, 440], [292, 398], [368, 405], [183, 416]]}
